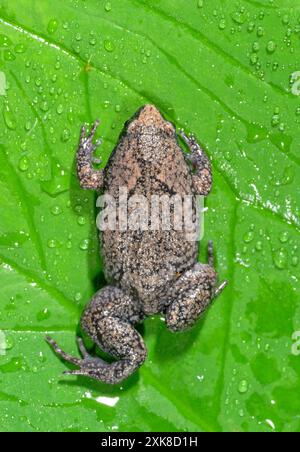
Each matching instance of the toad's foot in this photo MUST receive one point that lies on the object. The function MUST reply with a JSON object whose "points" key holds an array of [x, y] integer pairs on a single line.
{"points": [[202, 179], [108, 320], [89, 178], [82, 363]]}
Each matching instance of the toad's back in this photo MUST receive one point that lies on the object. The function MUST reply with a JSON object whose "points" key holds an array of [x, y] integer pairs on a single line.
{"points": [[148, 168]]}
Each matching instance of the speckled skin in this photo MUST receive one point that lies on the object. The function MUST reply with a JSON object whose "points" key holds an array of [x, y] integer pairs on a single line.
{"points": [[147, 272]]}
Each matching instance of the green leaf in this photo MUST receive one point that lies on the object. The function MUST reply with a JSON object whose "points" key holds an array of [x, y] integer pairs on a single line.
{"points": [[222, 70]]}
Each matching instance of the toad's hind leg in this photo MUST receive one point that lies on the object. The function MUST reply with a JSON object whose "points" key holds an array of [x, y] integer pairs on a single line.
{"points": [[108, 320], [192, 293], [190, 296]]}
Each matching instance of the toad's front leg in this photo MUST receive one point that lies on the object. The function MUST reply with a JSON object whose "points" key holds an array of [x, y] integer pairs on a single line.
{"points": [[191, 294], [108, 320], [89, 178], [202, 179]]}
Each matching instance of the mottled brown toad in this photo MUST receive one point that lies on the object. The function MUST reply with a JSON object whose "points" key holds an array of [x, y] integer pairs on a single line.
{"points": [[148, 270]]}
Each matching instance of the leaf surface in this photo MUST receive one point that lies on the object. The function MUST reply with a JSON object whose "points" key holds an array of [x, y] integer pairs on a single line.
{"points": [[221, 71]]}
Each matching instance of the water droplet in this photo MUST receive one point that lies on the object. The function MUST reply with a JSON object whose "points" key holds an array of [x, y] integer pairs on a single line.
{"points": [[52, 26], [23, 163], [280, 259], [253, 58], [260, 32], [20, 48], [256, 46], [271, 47], [239, 17], [107, 6], [81, 221], [243, 386], [56, 210], [259, 246], [281, 141], [4, 41], [109, 45], [118, 108], [295, 261], [59, 109], [275, 120], [14, 365], [9, 118], [222, 24], [248, 237], [44, 106], [71, 117], [78, 296], [9, 55], [285, 19], [51, 243], [65, 136], [251, 26], [28, 126], [284, 237], [84, 245], [43, 315], [200, 3], [59, 181]]}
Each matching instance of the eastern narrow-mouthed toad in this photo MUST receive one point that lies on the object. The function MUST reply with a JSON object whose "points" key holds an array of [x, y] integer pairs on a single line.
{"points": [[148, 270]]}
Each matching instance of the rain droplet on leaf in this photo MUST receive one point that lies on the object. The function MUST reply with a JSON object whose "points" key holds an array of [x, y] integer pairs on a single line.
{"points": [[23, 164], [51, 243], [43, 315], [109, 45], [271, 47], [56, 210], [280, 259], [222, 24], [84, 245], [52, 26], [107, 6], [243, 386], [9, 118], [248, 237]]}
